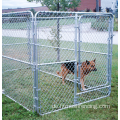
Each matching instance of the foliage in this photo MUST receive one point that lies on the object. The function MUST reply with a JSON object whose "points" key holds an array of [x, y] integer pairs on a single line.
{"points": [[64, 5], [74, 4], [33, 11], [55, 41], [115, 24]]}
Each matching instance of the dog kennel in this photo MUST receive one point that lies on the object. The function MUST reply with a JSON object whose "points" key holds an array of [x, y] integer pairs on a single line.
{"points": [[34, 47]]}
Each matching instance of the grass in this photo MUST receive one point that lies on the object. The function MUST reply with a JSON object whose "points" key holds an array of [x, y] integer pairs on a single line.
{"points": [[102, 24], [41, 23], [20, 51], [115, 24], [53, 92], [44, 23]]}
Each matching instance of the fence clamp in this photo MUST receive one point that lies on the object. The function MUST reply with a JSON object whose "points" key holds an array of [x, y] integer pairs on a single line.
{"points": [[38, 89], [36, 98], [33, 68], [33, 34], [76, 27], [75, 100], [112, 36]]}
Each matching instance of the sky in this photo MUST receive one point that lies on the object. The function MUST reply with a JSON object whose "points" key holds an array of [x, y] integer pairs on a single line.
{"points": [[18, 4], [108, 3]]}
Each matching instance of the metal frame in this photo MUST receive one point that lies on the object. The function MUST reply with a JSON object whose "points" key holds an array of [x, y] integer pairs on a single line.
{"points": [[34, 46], [29, 62], [109, 53]]}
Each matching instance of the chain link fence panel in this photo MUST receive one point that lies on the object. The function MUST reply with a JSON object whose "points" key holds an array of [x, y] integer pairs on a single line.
{"points": [[17, 75]]}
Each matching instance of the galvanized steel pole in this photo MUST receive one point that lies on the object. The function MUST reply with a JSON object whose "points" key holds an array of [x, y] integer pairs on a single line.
{"points": [[97, 5], [75, 76], [35, 65]]}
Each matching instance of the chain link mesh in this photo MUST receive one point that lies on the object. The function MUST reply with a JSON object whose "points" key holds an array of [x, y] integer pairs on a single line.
{"points": [[17, 76], [39, 58]]}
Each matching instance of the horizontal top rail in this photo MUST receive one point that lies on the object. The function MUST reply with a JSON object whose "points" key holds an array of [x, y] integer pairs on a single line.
{"points": [[18, 13], [56, 17], [66, 12]]}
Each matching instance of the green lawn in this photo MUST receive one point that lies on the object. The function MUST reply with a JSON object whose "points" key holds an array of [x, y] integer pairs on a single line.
{"points": [[40, 23], [12, 110], [44, 23], [102, 25]]}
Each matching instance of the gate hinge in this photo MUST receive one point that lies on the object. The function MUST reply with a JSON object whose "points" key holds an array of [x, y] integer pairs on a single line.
{"points": [[37, 107], [33, 34], [75, 100], [33, 68], [36, 98], [112, 36], [76, 27], [107, 75], [38, 89]]}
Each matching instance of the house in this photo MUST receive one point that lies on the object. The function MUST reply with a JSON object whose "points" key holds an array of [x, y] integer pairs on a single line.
{"points": [[41, 8], [87, 4], [113, 4]]}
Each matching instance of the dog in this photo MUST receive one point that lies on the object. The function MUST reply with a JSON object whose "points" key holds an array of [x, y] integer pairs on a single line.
{"points": [[85, 68]]}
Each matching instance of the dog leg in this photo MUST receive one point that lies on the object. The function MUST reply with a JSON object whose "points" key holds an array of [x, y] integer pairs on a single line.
{"points": [[64, 74], [61, 72], [82, 83], [63, 80]]}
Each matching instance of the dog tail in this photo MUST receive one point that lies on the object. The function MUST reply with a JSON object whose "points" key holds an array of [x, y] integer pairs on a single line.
{"points": [[59, 73]]}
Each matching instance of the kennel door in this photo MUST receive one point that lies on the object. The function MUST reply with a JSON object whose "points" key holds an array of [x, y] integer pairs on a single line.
{"points": [[95, 42]]}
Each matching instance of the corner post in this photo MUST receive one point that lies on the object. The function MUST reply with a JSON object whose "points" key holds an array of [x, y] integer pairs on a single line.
{"points": [[75, 75]]}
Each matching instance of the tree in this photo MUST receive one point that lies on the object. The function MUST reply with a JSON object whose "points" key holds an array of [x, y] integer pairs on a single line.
{"points": [[74, 3], [33, 11], [64, 5], [58, 5]]}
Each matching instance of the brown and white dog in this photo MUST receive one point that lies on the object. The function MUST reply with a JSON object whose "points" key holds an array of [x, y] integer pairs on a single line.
{"points": [[85, 68]]}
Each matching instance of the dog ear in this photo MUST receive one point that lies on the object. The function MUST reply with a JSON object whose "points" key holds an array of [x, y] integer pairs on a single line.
{"points": [[87, 62], [94, 60]]}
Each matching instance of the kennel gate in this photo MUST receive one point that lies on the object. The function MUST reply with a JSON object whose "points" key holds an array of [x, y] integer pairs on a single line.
{"points": [[52, 38]]}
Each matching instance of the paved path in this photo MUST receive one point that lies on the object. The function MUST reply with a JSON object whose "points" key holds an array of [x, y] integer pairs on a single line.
{"points": [[115, 38], [67, 34]]}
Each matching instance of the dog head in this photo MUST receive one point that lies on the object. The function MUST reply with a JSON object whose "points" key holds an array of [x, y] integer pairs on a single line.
{"points": [[91, 65]]}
